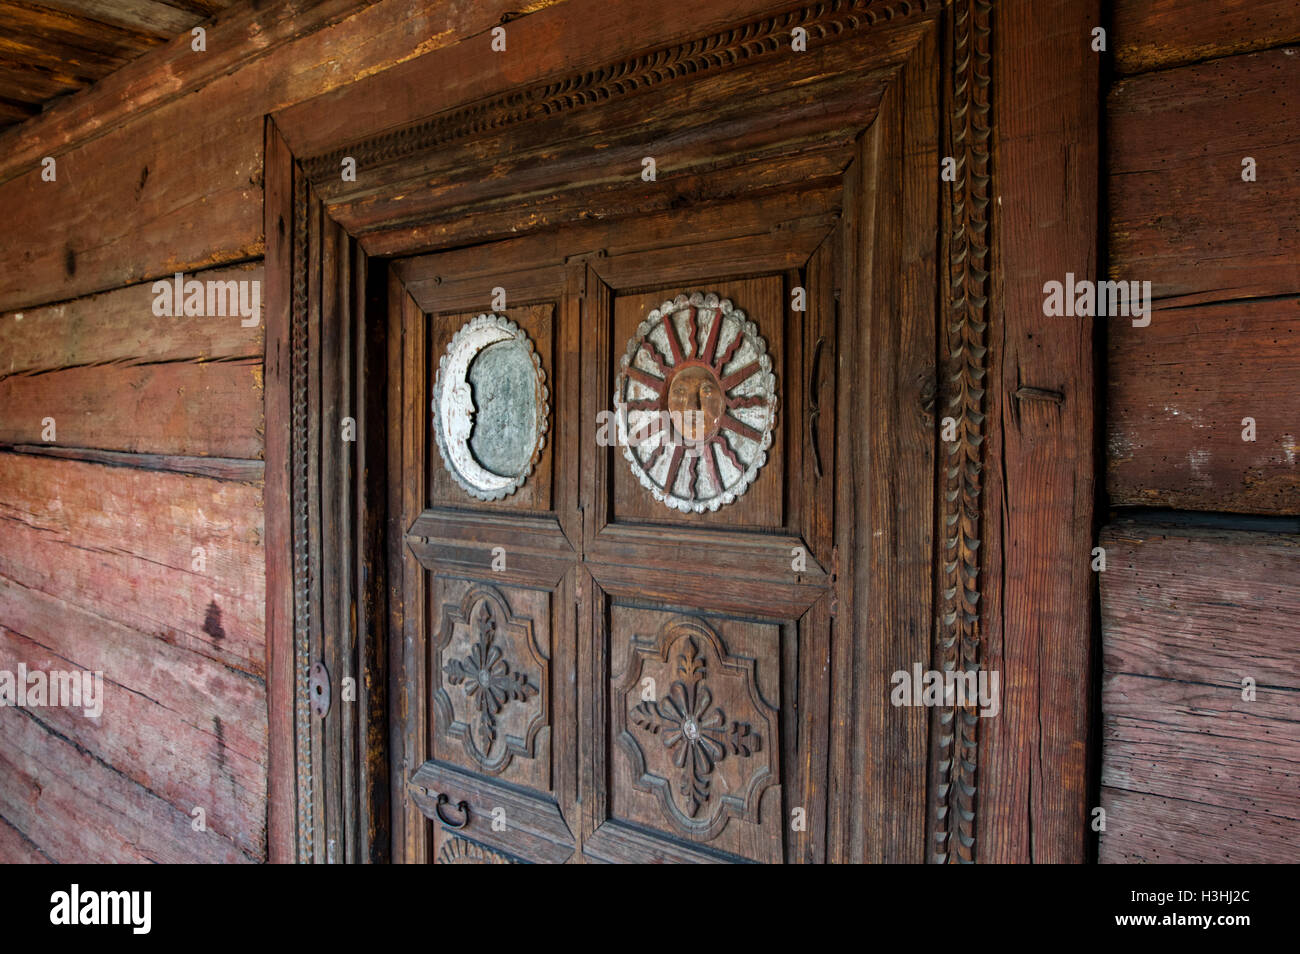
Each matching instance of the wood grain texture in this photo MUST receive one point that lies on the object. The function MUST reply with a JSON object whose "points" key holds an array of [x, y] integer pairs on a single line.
{"points": [[1159, 34], [172, 408], [1191, 772], [15, 847], [127, 207], [1182, 218], [120, 328], [121, 541], [885, 441], [277, 214], [131, 151], [77, 808], [1178, 393], [1203, 743], [1201, 606], [1154, 829], [266, 38], [1037, 586], [190, 732]]}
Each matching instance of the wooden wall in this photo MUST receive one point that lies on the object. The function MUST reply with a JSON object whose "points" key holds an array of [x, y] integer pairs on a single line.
{"points": [[1190, 771], [159, 432]]}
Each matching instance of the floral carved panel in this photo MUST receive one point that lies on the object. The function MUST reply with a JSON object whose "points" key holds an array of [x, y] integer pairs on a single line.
{"points": [[490, 677], [694, 729]]}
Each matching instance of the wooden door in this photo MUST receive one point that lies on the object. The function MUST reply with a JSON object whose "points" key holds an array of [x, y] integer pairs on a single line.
{"points": [[557, 620], [626, 657]]}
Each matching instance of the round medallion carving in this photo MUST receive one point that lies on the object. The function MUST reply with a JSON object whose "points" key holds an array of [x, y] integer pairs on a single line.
{"points": [[696, 402], [490, 407]]}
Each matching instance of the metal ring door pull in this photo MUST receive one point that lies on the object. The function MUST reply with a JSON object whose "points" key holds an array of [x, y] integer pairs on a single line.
{"points": [[461, 806]]}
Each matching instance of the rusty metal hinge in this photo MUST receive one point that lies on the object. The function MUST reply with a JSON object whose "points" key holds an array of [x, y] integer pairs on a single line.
{"points": [[318, 689]]}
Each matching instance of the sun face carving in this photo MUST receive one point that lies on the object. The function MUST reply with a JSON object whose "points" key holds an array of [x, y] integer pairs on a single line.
{"points": [[696, 402]]}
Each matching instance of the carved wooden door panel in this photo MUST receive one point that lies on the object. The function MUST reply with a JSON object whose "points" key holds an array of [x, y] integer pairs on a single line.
{"points": [[624, 656], [487, 513]]}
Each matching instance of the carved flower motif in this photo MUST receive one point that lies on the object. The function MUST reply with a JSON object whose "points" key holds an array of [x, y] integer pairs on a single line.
{"points": [[698, 738], [487, 678]]}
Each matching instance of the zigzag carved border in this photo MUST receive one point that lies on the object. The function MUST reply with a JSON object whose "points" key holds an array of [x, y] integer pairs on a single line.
{"points": [[740, 45], [302, 569], [956, 741]]}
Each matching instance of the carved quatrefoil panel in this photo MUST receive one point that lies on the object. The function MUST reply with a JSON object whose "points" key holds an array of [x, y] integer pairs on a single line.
{"points": [[696, 402], [698, 732], [491, 680]]}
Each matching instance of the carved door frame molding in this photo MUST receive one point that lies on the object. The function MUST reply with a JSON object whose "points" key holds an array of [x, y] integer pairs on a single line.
{"points": [[327, 591]]}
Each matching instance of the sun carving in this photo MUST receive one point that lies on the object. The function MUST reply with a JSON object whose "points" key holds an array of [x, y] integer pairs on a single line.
{"points": [[696, 402]]}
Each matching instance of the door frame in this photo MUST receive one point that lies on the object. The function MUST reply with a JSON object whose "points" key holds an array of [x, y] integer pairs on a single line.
{"points": [[1020, 391]]}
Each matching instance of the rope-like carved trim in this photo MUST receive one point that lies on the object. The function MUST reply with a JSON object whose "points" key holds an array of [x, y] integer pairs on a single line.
{"points": [[298, 477], [729, 48], [958, 636]]}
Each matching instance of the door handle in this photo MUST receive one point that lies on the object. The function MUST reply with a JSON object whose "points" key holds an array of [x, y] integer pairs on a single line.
{"points": [[461, 806]]}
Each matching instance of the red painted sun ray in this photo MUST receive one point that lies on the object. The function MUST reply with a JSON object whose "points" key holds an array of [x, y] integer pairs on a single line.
{"points": [[670, 331], [711, 343], [660, 361], [692, 485], [738, 376], [744, 430], [712, 462], [649, 380], [728, 453], [673, 466], [693, 330], [654, 455], [731, 350], [752, 400], [648, 404]]}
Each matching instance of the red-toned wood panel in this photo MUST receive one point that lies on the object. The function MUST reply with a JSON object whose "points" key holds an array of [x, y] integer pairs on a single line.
{"points": [[1159, 34], [123, 542], [1039, 464], [204, 409], [1179, 394], [1181, 216], [119, 327], [1192, 770]]}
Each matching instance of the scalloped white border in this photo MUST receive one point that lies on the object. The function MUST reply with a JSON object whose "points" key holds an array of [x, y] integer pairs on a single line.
{"points": [[458, 342], [750, 330]]}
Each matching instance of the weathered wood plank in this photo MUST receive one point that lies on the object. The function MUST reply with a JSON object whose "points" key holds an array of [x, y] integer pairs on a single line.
{"points": [[119, 327], [889, 444], [132, 150], [1039, 464], [175, 193], [382, 100], [146, 16], [188, 408], [187, 730], [79, 809], [1159, 34], [282, 777], [1201, 606], [1203, 743], [1179, 391], [1181, 215], [15, 847], [222, 468], [122, 541], [1150, 829]]}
